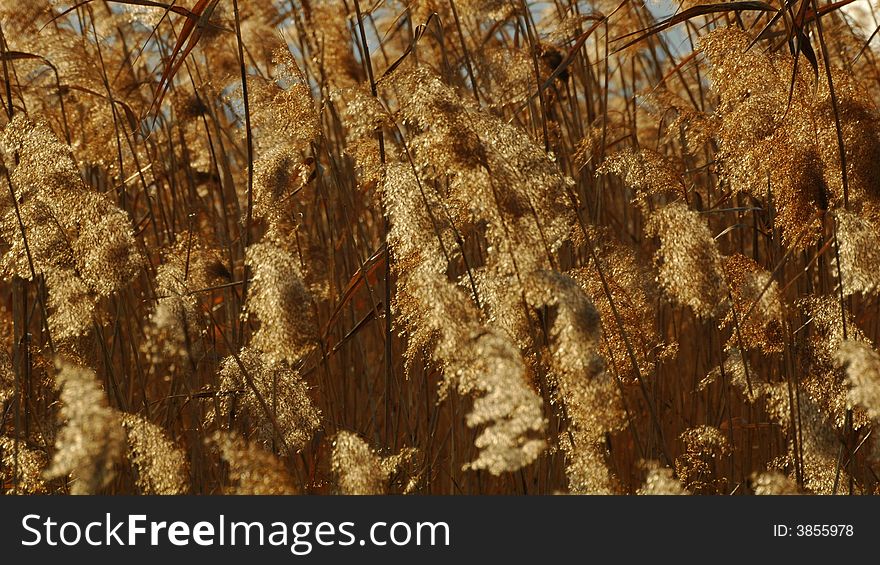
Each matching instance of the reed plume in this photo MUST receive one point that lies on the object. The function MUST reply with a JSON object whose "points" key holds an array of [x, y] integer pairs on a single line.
{"points": [[631, 294], [281, 302], [591, 398], [763, 139], [7, 383], [690, 264], [773, 483], [250, 382], [862, 364], [161, 465], [361, 471], [91, 441], [859, 253], [661, 481], [478, 361], [178, 323], [22, 467], [252, 470], [757, 313], [79, 240], [696, 467], [647, 172]]}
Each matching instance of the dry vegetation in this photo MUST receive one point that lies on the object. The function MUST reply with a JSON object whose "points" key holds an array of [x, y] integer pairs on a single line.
{"points": [[439, 247]]}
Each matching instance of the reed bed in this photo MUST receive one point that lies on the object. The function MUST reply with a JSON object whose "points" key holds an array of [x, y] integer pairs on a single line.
{"points": [[439, 247]]}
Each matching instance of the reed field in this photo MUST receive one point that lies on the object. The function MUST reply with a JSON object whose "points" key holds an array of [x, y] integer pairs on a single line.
{"points": [[439, 247]]}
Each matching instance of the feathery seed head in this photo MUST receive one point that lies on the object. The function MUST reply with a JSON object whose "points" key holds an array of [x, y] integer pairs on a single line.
{"points": [[280, 300], [359, 470], [661, 481], [252, 470], [21, 467], [862, 365], [161, 465], [91, 440], [773, 483], [690, 265], [757, 305], [859, 245], [279, 386]]}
